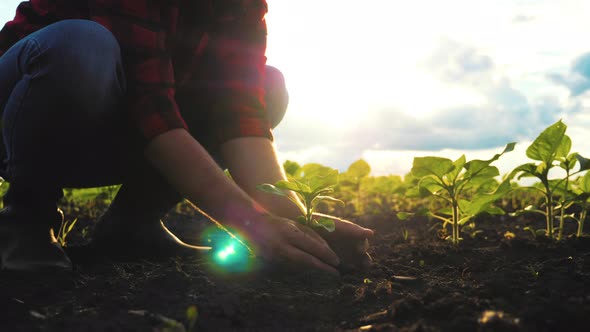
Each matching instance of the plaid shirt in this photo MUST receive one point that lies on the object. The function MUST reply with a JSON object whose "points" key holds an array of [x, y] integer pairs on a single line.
{"points": [[209, 49]]}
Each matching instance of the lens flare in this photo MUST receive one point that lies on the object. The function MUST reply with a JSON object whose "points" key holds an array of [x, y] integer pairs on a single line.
{"points": [[228, 254]]}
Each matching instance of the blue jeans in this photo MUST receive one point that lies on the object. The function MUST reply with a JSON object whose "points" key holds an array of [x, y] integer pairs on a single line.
{"points": [[61, 93]]}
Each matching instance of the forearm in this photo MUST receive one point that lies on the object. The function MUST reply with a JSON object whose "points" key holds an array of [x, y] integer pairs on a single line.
{"points": [[252, 161], [190, 169]]}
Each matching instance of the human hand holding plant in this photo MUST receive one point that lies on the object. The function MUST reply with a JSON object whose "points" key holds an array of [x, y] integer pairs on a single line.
{"points": [[280, 240], [310, 194], [346, 238]]}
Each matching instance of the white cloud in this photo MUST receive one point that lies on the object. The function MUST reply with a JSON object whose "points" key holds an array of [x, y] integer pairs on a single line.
{"points": [[388, 80]]}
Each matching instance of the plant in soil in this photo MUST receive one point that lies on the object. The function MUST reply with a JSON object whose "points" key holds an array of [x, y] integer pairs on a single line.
{"points": [[552, 151], [468, 188], [65, 228], [581, 191], [309, 192]]}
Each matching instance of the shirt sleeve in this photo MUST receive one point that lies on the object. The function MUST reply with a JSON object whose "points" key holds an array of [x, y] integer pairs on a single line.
{"points": [[235, 47], [25, 21], [148, 67]]}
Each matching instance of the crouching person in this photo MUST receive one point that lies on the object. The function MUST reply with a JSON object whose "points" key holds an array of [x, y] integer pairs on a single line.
{"points": [[94, 96]]}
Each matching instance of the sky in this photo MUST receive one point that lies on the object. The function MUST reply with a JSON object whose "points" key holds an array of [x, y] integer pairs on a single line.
{"points": [[389, 80]]}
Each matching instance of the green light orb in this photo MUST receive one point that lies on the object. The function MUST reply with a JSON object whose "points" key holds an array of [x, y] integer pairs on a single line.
{"points": [[228, 254]]}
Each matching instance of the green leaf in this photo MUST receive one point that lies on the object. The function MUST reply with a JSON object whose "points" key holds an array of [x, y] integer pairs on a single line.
{"points": [[564, 148], [359, 169], [493, 210], [484, 175], [404, 215], [288, 185], [584, 163], [437, 166], [326, 223], [458, 166], [585, 183], [431, 184], [301, 220], [541, 231], [474, 167], [570, 162], [329, 199], [71, 226], [291, 168], [524, 170], [530, 229], [447, 211], [546, 146], [318, 176], [416, 192], [482, 202], [271, 189], [192, 314], [528, 209]]}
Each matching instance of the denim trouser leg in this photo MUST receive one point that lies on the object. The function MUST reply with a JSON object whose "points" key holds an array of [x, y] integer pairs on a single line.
{"points": [[62, 120], [59, 89], [63, 125]]}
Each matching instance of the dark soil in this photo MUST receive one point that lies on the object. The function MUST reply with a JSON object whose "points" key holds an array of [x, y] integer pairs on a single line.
{"points": [[420, 283]]}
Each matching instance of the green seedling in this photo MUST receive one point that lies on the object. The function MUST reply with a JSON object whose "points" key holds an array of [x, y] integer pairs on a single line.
{"points": [[3, 188], [352, 180], [534, 232], [192, 314], [307, 195], [552, 150], [581, 194], [64, 229], [405, 234], [453, 182]]}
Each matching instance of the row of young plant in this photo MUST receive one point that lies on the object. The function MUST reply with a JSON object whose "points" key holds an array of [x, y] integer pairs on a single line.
{"points": [[461, 189]]}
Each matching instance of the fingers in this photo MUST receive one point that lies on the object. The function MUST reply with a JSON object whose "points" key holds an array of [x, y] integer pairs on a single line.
{"points": [[310, 232], [307, 240], [347, 227], [301, 257]]}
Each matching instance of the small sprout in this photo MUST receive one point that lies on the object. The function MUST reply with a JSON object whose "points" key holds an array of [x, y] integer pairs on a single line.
{"points": [[309, 195], [192, 314], [422, 263], [533, 271], [475, 233], [64, 229], [509, 235], [367, 281], [405, 234]]}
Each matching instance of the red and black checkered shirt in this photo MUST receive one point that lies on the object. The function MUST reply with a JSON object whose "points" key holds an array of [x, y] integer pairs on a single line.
{"points": [[209, 49]]}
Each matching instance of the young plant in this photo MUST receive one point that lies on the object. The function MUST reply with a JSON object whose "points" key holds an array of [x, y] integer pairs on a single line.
{"points": [[451, 182], [3, 188], [64, 229], [352, 180], [581, 194], [309, 192], [552, 150]]}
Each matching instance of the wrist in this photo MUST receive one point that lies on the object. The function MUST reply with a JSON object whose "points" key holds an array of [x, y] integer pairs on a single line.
{"points": [[244, 217]]}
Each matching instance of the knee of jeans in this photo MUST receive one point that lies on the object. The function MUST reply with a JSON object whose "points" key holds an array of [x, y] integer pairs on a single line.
{"points": [[81, 51], [276, 95]]}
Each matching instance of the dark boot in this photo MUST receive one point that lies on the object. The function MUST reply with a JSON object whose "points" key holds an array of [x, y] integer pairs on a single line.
{"points": [[120, 237], [26, 243], [131, 228]]}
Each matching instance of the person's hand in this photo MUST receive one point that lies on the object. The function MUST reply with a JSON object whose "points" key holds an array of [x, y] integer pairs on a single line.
{"points": [[350, 242], [283, 241]]}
